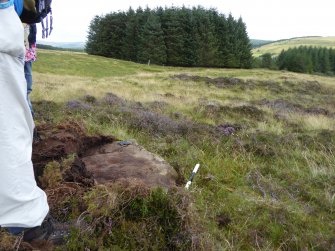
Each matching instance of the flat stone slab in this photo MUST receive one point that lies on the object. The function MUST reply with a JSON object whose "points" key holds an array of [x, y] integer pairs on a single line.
{"points": [[115, 162]]}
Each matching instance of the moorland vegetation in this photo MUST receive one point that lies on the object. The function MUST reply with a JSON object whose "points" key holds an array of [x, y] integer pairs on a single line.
{"points": [[265, 141]]}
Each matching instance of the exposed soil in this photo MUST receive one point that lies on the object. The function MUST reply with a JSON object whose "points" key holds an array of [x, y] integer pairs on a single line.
{"points": [[215, 110], [287, 106], [57, 142], [100, 159], [228, 129], [223, 220], [74, 105], [220, 82]]}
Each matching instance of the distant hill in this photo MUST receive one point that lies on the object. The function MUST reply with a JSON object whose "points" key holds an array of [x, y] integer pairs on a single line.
{"points": [[277, 46], [53, 48], [255, 43], [64, 45]]}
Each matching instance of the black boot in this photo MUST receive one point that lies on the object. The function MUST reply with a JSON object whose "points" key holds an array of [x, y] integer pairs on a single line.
{"points": [[56, 233]]}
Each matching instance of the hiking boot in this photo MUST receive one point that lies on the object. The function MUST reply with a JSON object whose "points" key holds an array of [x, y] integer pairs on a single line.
{"points": [[56, 233], [41, 232]]}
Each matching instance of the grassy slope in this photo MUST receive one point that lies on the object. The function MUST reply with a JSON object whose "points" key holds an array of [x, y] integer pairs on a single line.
{"points": [[255, 43], [276, 47], [274, 179]]}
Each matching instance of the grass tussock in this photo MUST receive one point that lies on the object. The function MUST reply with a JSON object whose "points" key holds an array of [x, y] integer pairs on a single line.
{"points": [[136, 218]]}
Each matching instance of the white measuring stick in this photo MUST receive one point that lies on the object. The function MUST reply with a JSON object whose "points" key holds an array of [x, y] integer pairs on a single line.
{"points": [[195, 170]]}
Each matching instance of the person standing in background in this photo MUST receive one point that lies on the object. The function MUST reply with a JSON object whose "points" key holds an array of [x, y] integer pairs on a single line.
{"points": [[30, 57]]}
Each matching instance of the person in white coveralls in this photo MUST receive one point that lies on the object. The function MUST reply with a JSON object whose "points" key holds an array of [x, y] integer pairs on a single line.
{"points": [[23, 205]]}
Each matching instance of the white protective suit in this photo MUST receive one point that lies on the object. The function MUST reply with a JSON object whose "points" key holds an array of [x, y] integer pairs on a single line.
{"points": [[22, 202]]}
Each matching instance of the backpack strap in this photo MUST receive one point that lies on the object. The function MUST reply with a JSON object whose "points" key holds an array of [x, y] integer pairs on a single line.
{"points": [[18, 6], [51, 22], [43, 29], [6, 4], [46, 27]]}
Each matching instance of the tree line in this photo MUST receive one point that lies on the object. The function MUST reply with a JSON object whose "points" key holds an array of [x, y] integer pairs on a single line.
{"points": [[302, 59], [172, 36]]}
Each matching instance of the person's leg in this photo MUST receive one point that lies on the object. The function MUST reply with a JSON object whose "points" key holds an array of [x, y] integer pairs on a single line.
{"points": [[29, 80], [22, 202], [42, 232], [15, 230]]}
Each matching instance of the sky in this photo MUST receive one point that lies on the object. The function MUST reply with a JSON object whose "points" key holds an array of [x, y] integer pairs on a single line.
{"points": [[265, 19]]}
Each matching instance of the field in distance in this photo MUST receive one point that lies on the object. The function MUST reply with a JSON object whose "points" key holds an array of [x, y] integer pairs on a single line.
{"points": [[276, 47]]}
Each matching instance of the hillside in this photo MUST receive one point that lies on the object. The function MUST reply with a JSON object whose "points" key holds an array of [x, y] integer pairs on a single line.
{"points": [[255, 43], [265, 141], [276, 47], [64, 45]]}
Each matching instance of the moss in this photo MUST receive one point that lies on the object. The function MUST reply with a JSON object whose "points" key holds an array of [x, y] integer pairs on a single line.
{"points": [[52, 175], [137, 218]]}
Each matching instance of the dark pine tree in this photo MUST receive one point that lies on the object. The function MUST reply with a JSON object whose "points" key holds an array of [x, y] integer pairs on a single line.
{"points": [[324, 62], [112, 30], [131, 38], [207, 44], [173, 34], [266, 61], [187, 22], [94, 43], [230, 44], [243, 48], [151, 44]]}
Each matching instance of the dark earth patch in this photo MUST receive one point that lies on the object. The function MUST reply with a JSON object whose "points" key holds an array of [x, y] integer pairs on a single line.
{"points": [[228, 129], [221, 82], [223, 220], [287, 106], [245, 111], [90, 99], [77, 105], [57, 142], [113, 100]]}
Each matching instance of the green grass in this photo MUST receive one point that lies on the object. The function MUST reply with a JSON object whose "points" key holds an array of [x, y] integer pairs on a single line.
{"points": [[274, 178], [276, 47], [81, 65]]}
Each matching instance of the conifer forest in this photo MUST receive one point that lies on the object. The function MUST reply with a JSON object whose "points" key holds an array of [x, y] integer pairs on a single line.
{"points": [[172, 36]]}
